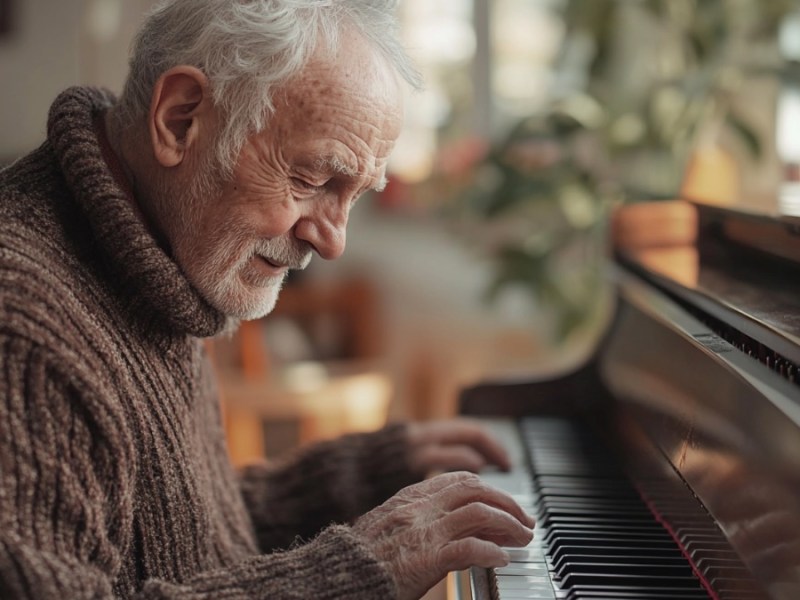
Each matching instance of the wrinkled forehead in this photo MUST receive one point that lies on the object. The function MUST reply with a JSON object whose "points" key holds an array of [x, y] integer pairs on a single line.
{"points": [[361, 104], [353, 97], [356, 70]]}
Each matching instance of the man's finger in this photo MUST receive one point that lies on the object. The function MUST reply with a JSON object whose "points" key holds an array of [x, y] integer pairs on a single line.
{"points": [[469, 433], [471, 552], [487, 523], [470, 488], [451, 458], [439, 482]]}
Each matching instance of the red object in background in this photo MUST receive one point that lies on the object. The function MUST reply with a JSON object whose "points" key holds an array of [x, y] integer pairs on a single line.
{"points": [[459, 158], [453, 167], [394, 196]]}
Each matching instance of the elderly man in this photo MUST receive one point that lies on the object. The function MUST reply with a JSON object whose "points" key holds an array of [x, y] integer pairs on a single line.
{"points": [[245, 133]]}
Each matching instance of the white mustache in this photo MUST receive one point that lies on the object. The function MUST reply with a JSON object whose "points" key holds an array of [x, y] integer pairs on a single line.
{"points": [[285, 251]]}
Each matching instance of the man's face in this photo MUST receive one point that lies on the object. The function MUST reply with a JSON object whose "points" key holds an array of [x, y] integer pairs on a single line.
{"points": [[294, 184]]}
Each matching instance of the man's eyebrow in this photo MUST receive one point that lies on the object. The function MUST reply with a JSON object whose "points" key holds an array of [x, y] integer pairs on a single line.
{"points": [[334, 164]]}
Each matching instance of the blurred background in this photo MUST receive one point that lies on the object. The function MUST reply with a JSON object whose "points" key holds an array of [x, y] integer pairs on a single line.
{"points": [[484, 257], [543, 125]]}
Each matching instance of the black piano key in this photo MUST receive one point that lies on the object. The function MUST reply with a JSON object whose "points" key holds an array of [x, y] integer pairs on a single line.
{"points": [[600, 545], [617, 559], [722, 567], [702, 536], [644, 552], [624, 569], [634, 594], [563, 481], [577, 538], [591, 503], [601, 519], [585, 481], [564, 561], [611, 527], [606, 537], [697, 549], [587, 496], [555, 507], [602, 578]]}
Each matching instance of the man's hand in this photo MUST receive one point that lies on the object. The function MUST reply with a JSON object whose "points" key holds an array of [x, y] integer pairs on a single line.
{"points": [[447, 523], [455, 444]]}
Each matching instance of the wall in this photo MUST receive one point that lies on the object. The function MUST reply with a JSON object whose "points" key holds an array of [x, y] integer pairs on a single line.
{"points": [[55, 44]]}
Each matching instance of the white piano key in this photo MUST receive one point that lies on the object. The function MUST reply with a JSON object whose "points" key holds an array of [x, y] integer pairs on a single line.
{"points": [[523, 568], [523, 594], [527, 554], [524, 582], [518, 582], [514, 482]]}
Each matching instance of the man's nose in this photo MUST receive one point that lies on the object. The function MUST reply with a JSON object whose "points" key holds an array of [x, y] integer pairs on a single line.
{"points": [[326, 231]]}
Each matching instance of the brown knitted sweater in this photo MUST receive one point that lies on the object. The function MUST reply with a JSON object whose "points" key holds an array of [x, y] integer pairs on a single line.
{"points": [[114, 480]]}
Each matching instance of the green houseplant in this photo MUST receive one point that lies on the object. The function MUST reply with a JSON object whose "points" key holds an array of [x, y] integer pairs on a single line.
{"points": [[649, 79]]}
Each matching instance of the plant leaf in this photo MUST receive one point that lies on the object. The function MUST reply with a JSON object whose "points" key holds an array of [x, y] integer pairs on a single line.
{"points": [[746, 133]]}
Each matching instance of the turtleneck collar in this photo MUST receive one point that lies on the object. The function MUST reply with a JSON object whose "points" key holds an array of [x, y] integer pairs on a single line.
{"points": [[149, 279]]}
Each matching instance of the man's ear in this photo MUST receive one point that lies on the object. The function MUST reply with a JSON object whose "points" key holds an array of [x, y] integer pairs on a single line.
{"points": [[180, 100]]}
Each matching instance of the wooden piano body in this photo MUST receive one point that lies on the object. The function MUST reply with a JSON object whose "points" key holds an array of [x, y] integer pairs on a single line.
{"points": [[695, 393]]}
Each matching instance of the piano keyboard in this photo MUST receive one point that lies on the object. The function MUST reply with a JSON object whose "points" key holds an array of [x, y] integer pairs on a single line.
{"points": [[597, 535]]}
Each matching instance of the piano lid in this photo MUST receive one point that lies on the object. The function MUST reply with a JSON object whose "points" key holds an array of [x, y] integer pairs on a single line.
{"points": [[741, 268]]}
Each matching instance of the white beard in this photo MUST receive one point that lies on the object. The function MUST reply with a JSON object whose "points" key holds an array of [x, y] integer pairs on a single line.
{"points": [[219, 264]]}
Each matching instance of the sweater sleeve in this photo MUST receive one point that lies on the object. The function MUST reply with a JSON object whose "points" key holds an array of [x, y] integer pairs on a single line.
{"points": [[67, 503], [333, 566], [334, 481]]}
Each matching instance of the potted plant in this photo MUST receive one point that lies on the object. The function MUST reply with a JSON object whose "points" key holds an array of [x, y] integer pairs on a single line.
{"points": [[650, 86]]}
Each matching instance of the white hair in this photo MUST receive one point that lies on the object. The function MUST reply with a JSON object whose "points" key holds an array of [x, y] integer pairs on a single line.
{"points": [[248, 48]]}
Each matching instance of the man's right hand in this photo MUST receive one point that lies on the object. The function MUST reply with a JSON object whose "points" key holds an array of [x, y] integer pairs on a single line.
{"points": [[446, 523]]}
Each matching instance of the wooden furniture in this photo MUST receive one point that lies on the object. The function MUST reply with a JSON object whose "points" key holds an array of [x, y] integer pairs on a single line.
{"points": [[342, 389]]}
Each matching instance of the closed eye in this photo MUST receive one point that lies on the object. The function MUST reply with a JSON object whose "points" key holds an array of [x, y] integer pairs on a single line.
{"points": [[307, 186]]}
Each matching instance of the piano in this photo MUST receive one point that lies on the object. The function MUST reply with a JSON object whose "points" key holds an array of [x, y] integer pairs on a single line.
{"points": [[667, 464]]}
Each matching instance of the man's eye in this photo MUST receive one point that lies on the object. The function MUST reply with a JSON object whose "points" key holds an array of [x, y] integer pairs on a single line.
{"points": [[305, 185]]}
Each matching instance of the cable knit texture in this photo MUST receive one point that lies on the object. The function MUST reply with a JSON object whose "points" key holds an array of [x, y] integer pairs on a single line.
{"points": [[114, 479]]}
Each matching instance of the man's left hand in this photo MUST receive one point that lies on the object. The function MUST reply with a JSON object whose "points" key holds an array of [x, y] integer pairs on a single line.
{"points": [[453, 445]]}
